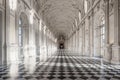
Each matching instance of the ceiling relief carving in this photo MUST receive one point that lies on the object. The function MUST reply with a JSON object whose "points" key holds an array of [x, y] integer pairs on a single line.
{"points": [[60, 15]]}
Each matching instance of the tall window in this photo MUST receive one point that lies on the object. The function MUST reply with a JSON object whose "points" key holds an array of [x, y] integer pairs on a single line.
{"points": [[13, 4], [102, 34], [20, 39], [20, 33], [79, 16], [85, 6]]}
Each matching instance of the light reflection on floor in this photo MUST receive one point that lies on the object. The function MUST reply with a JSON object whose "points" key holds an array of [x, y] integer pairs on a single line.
{"points": [[61, 67], [13, 71]]}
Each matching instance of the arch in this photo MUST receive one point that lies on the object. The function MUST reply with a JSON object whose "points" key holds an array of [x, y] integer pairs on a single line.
{"points": [[97, 17], [97, 32], [24, 18], [23, 36], [101, 18], [23, 12], [24, 24]]}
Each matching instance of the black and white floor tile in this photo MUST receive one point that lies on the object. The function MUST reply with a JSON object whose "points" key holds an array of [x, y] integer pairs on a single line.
{"points": [[65, 67]]}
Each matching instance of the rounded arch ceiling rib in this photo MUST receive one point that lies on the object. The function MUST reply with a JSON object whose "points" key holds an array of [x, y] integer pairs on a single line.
{"points": [[60, 15]]}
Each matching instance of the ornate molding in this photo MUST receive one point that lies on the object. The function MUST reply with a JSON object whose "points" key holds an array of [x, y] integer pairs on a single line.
{"points": [[103, 4], [111, 4]]}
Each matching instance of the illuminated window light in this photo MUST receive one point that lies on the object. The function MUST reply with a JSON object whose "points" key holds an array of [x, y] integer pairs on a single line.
{"points": [[40, 25], [13, 4], [79, 16], [55, 40], [31, 16], [20, 22], [45, 29], [86, 6]]}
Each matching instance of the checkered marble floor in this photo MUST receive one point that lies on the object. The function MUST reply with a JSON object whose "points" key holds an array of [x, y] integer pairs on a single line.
{"points": [[65, 67]]}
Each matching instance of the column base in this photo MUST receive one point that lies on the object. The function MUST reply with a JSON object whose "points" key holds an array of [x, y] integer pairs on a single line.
{"points": [[4, 62], [115, 54], [115, 62], [108, 53]]}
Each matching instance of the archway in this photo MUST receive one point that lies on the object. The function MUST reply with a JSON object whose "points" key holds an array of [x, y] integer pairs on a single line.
{"points": [[61, 46], [23, 37], [61, 42], [99, 33]]}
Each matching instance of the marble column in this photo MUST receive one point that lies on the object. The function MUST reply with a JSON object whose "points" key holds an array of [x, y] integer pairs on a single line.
{"points": [[116, 45], [75, 42], [1, 37], [7, 20], [107, 46], [89, 52], [78, 41], [83, 39], [92, 34]]}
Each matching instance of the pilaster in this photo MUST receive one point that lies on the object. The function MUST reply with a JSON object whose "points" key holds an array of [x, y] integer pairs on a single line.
{"points": [[83, 39], [107, 45], [92, 34], [116, 45]]}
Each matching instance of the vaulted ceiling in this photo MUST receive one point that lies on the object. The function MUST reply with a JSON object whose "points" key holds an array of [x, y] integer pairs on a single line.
{"points": [[60, 15]]}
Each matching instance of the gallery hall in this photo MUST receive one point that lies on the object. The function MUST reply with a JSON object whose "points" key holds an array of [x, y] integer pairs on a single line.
{"points": [[59, 39]]}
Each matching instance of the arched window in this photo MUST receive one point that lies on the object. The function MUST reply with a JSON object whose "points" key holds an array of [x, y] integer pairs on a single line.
{"points": [[102, 25], [20, 33], [85, 6]]}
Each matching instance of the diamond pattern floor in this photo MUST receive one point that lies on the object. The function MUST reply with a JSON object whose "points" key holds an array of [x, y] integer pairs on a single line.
{"points": [[65, 67]]}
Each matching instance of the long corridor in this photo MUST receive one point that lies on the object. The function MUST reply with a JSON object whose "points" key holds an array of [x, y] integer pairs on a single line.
{"points": [[59, 39], [62, 66]]}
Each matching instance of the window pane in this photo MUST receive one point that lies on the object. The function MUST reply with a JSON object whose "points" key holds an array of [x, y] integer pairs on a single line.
{"points": [[85, 5]]}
